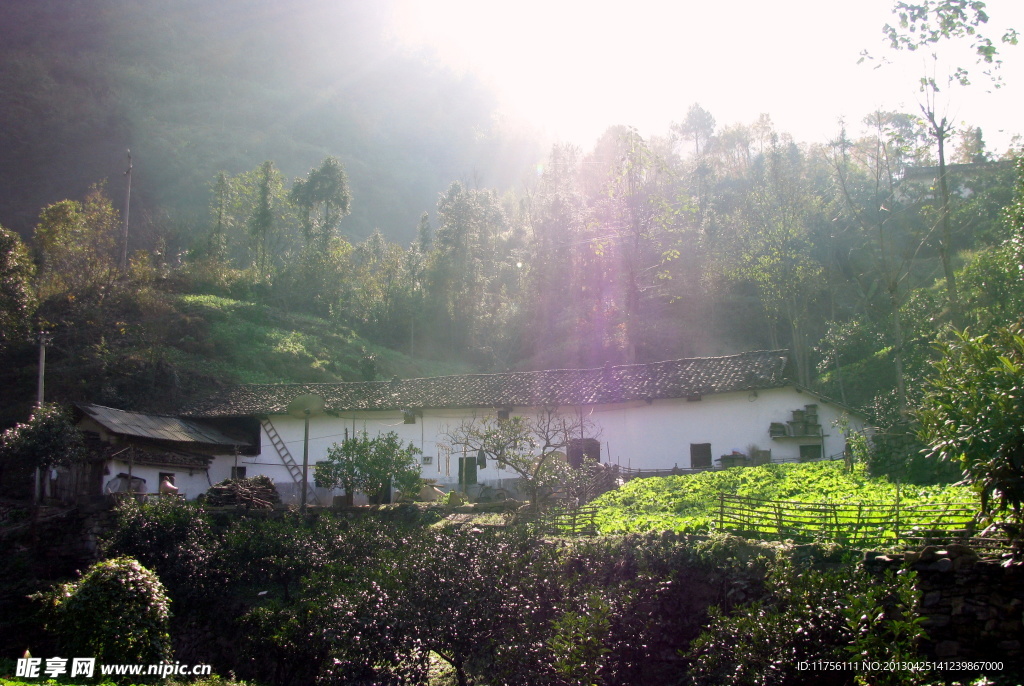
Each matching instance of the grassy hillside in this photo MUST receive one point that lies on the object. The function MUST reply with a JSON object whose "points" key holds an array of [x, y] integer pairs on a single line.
{"points": [[157, 351], [690, 503], [252, 343]]}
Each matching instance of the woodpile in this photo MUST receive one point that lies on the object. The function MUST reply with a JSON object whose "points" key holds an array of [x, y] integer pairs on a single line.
{"points": [[257, 492]]}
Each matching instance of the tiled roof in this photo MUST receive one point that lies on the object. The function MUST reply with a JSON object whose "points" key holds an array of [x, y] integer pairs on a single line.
{"points": [[156, 427], [562, 387]]}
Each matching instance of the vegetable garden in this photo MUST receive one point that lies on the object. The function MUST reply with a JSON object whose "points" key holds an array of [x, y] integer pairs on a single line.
{"points": [[820, 501]]}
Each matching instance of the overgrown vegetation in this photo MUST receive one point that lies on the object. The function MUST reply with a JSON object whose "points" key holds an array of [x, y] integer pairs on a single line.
{"points": [[295, 599], [973, 415]]}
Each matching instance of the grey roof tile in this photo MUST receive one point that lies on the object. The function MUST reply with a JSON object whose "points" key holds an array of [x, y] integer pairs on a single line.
{"points": [[560, 387]]}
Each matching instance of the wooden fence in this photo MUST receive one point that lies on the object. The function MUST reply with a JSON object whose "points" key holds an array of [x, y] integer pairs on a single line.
{"points": [[578, 521], [871, 524]]}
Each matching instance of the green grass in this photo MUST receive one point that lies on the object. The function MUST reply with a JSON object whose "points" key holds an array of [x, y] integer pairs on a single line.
{"points": [[690, 503], [252, 343]]}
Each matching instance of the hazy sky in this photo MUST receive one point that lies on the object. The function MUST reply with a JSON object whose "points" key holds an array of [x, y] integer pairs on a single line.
{"points": [[575, 67]]}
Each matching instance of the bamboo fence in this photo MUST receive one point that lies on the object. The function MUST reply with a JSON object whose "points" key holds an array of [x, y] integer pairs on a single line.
{"points": [[872, 523]]}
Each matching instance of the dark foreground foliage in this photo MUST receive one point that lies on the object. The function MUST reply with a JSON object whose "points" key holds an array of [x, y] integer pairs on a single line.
{"points": [[280, 598], [284, 599]]}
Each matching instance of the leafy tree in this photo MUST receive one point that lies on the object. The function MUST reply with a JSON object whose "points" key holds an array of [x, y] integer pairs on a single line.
{"points": [[47, 440], [383, 301], [558, 254], [929, 22], [318, 280], [16, 298], [972, 414], [370, 465], [532, 447], [779, 258], [322, 200], [261, 221], [471, 223], [77, 244], [923, 24], [117, 612], [868, 173]]}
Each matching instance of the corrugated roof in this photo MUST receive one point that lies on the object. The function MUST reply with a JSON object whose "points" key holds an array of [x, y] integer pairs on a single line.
{"points": [[157, 427], [561, 387]]}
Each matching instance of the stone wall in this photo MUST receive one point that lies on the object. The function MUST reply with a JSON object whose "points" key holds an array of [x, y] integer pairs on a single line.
{"points": [[971, 605]]}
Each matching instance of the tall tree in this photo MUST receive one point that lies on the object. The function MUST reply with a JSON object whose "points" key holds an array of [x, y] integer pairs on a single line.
{"points": [[868, 174], [778, 257], [77, 243], [924, 24], [16, 297], [323, 200], [468, 255], [261, 222]]}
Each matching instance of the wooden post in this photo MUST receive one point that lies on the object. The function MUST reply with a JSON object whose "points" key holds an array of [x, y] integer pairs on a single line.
{"points": [[897, 510], [127, 206]]}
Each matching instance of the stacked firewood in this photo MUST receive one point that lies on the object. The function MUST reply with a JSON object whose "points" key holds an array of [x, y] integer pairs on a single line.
{"points": [[257, 492]]}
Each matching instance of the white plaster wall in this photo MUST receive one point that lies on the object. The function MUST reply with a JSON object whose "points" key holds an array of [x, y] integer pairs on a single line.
{"points": [[638, 435], [658, 436], [189, 485]]}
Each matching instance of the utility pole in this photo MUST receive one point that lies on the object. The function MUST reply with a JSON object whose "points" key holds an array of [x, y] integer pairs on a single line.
{"points": [[127, 205], [44, 338]]}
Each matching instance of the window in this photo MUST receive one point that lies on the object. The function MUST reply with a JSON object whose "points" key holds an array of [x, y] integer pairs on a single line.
{"points": [[167, 476], [581, 448], [408, 416], [238, 472], [700, 455], [810, 452]]}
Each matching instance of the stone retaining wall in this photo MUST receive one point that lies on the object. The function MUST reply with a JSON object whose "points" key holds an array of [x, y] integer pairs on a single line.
{"points": [[972, 606]]}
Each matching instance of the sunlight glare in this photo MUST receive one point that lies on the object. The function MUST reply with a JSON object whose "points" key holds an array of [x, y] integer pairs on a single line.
{"points": [[574, 68]]}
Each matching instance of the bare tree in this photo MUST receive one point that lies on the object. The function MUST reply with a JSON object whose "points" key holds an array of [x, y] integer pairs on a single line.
{"points": [[532, 447]]}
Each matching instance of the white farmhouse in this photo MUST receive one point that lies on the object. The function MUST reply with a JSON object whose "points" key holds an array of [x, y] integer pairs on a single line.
{"points": [[681, 414]]}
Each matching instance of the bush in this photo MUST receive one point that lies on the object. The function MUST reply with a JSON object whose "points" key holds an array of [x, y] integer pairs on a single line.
{"points": [[801, 619], [117, 612], [175, 539]]}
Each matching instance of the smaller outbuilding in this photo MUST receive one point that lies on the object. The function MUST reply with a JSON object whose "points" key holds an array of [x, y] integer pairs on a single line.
{"points": [[147, 453]]}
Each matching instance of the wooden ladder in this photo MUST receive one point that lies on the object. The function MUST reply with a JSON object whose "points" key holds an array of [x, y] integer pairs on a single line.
{"points": [[289, 462]]}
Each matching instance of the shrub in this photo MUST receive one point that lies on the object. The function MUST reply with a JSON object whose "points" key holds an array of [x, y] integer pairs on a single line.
{"points": [[117, 612], [802, 619], [174, 538]]}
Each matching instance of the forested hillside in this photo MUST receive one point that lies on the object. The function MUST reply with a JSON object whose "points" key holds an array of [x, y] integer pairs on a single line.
{"points": [[254, 254], [195, 88]]}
